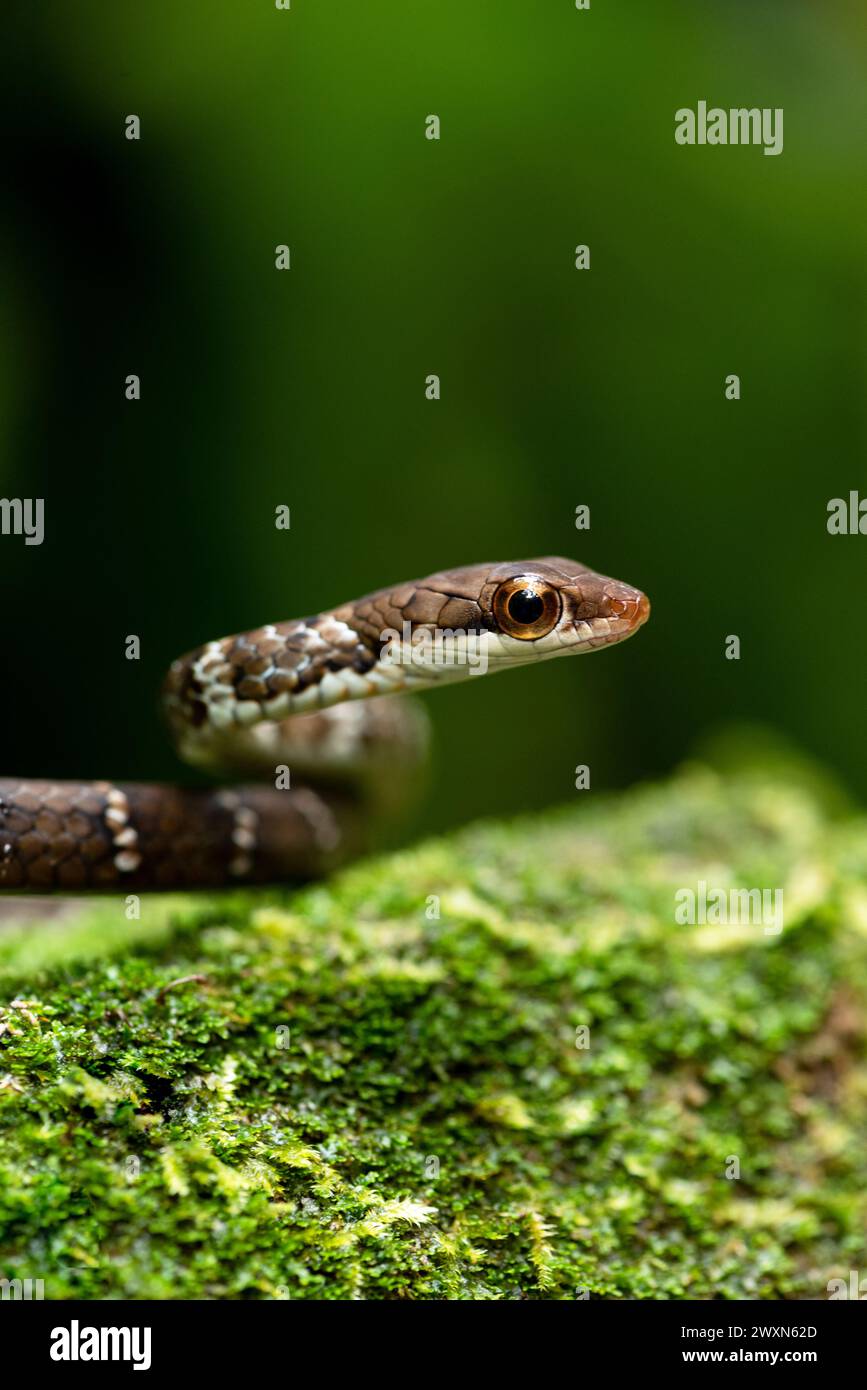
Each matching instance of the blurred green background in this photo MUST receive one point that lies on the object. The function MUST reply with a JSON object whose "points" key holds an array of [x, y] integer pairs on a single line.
{"points": [[412, 257]]}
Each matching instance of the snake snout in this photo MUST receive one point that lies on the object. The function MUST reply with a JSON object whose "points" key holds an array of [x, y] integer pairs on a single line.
{"points": [[608, 611], [604, 611], [627, 604]]}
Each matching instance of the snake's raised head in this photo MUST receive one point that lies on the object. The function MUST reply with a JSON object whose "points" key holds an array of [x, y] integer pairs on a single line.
{"points": [[553, 607], [448, 626], [467, 621]]}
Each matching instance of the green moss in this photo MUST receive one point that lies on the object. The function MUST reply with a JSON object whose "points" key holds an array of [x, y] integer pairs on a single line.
{"points": [[428, 1126]]}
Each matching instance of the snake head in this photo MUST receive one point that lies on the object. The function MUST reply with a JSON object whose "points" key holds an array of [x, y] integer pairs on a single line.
{"points": [[464, 622], [553, 607]]}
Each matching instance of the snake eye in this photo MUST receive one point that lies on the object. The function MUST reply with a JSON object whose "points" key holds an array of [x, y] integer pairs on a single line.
{"points": [[526, 607]]}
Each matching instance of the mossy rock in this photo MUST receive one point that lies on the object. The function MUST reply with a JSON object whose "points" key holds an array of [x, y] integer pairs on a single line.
{"points": [[377, 1089]]}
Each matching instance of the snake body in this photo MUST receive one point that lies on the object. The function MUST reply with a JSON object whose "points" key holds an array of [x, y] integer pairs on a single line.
{"points": [[289, 702]]}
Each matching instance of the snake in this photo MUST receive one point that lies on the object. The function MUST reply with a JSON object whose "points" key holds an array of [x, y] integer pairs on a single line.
{"points": [[311, 726]]}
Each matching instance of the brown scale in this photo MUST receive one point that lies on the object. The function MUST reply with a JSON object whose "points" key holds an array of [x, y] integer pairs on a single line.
{"points": [[54, 836], [291, 658]]}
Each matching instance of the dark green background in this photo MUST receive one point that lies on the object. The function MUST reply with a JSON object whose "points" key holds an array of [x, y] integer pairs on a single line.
{"points": [[409, 257]]}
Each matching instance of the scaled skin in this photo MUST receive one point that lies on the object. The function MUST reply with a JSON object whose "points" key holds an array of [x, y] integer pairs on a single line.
{"points": [[342, 766]]}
